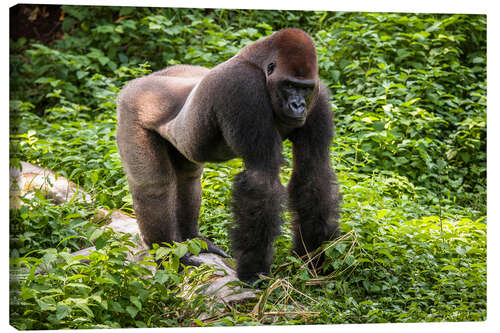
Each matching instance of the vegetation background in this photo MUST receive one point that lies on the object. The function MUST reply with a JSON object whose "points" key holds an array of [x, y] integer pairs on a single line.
{"points": [[409, 96]]}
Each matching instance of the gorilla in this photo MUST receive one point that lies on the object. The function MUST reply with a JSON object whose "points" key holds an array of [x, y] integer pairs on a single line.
{"points": [[172, 121]]}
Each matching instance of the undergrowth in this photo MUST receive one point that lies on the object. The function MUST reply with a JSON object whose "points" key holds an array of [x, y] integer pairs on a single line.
{"points": [[409, 96]]}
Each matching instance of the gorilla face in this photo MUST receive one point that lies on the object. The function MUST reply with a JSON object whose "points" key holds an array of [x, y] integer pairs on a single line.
{"points": [[292, 98], [296, 97]]}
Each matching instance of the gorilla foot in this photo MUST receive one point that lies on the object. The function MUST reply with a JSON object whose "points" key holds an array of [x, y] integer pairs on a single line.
{"points": [[253, 279], [315, 257], [211, 248], [190, 260]]}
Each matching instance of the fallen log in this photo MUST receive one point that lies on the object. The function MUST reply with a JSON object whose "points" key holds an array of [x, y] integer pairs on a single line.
{"points": [[30, 177]]}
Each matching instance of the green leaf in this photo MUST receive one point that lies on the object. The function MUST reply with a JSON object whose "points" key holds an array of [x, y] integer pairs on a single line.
{"points": [[78, 285], [460, 250], [161, 276], [81, 74], [386, 253], [45, 306], [465, 156], [154, 26], [85, 309], [132, 311], [62, 311], [387, 107], [49, 257], [341, 247], [116, 306], [27, 293], [96, 234], [136, 301], [335, 75], [94, 177], [162, 253], [194, 247], [100, 243], [180, 250], [449, 268], [410, 102]]}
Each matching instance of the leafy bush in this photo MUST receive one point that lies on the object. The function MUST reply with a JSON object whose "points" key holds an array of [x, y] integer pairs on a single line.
{"points": [[54, 290], [38, 224], [410, 91]]}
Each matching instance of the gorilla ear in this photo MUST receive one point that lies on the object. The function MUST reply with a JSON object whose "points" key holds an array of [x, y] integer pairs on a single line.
{"points": [[270, 68]]}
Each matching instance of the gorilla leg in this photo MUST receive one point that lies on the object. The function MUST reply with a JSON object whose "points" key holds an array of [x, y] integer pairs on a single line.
{"points": [[188, 201], [313, 191], [314, 202], [166, 191], [154, 213], [152, 181], [187, 194], [257, 197]]}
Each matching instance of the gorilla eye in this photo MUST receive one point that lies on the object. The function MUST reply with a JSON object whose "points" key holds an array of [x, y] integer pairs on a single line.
{"points": [[270, 68]]}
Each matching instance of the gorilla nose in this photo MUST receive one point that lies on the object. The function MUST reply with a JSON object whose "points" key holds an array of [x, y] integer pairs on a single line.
{"points": [[298, 107]]}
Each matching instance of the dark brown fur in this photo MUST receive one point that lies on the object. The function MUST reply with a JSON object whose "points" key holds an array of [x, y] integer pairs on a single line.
{"points": [[172, 121]]}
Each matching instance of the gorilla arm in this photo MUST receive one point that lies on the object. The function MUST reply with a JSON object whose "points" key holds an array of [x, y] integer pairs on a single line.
{"points": [[245, 116], [313, 190]]}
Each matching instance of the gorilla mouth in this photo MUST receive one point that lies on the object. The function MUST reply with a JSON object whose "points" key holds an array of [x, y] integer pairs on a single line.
{"points": [[293, 119], [295, 113], [295, 116]]}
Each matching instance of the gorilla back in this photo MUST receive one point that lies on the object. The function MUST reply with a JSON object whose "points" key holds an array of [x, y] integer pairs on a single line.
{"points": [[172, 121]]}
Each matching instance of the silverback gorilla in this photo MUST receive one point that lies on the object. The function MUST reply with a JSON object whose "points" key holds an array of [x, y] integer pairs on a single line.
{"points": [[172, 121]]}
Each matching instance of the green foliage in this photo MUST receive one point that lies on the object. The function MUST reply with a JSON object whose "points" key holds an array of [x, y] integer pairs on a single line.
{"points": [[409, 95], [427, 261], [410, 92], [55, 290], [395, 263], [38, 224]]}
